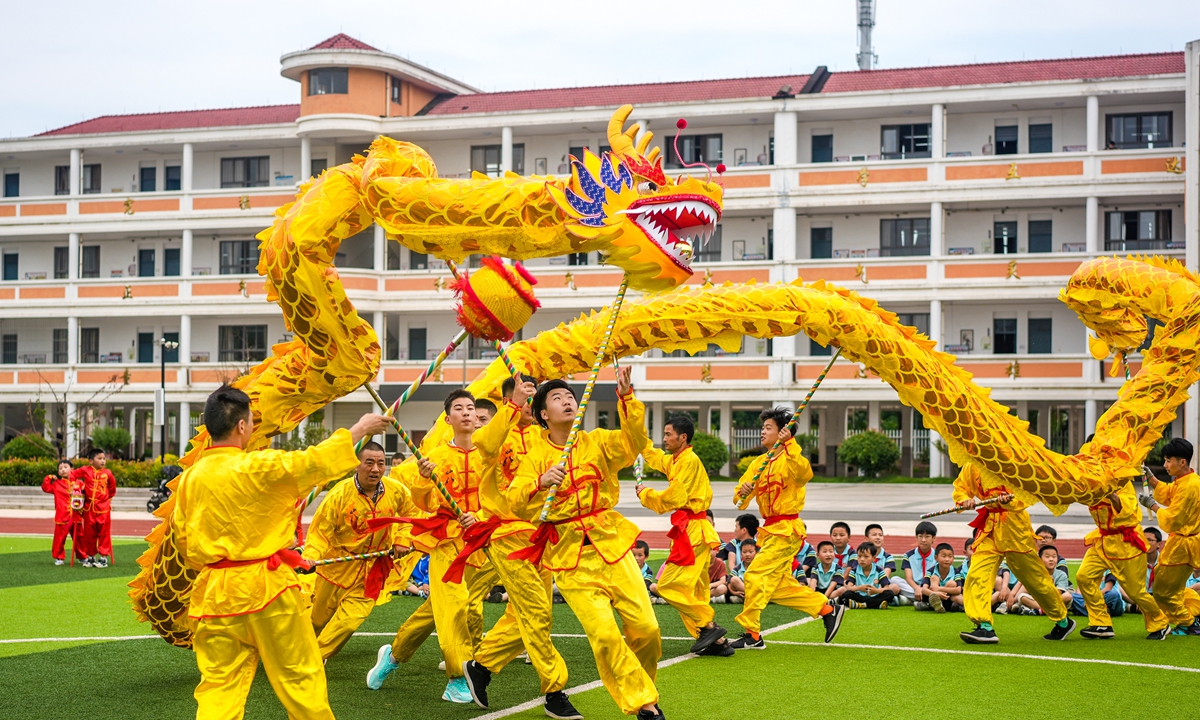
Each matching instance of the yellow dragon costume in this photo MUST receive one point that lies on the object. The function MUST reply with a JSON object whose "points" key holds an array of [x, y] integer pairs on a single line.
{"points": [[624, 205]]}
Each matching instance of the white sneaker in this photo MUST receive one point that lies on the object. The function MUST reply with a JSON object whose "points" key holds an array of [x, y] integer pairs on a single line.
{"points": [[719, 600], [442, 666], [87, 562], [58, 562], [1002, 609], [384, 666]]}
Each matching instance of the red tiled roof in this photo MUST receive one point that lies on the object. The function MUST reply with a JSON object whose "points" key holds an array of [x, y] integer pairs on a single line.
{"points": [[342, 41], [227, 117]]}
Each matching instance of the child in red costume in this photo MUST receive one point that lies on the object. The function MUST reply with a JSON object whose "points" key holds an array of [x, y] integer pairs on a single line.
{"points": [[99, 487], [68, 512]]}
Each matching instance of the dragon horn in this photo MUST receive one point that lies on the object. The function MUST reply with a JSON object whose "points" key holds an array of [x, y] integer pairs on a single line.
{"points": [[644, 144], [620, 143]]}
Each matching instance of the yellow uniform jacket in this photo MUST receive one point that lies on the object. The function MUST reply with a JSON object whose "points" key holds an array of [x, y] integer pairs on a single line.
{"points": [[1181, 518], [781, 490], [1008, 525], [1118, 534]]}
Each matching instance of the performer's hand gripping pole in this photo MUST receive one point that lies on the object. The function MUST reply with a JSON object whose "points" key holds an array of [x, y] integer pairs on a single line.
{"points": [[998, 500], [314, 564]]}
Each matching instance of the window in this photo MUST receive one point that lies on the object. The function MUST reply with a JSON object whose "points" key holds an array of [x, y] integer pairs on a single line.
{"points": [[395, 89], [62, 180], [242, 343], [906, 236], [89, 345], [317, 166], [417, 261], [1040, 236], [91, 179], [710, 250], [145, 347], [170, 261], [486, 159], [239, 257], [817, 349], [245, 172], [1004, 237], [904, 141], [8, 349], [577, 258], [172, 177], [1139, 130], [920, 321], [822, 148], [146, 262], [59, 354], [416, 343], [695, 148], [329, 81], [1041, 138], [171, 356], [1006, 139], [1004, 331], [62, 261], [1039, 336], [10, 266], [1137, 230], [822, 243], [147, 179], [12, 184], [90, 255]]}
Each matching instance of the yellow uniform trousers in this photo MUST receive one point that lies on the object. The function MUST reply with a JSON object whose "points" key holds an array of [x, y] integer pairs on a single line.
{"points": [[228, 650], [628, 664], [1170, 584], [527, 621], [336, 613], [1130, 573], [769, 580], [479, 582], [1026, 566], [447, 608], [685, 588]]}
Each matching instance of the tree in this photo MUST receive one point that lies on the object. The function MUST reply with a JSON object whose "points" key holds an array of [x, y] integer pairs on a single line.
{"points": [[711, 451], [65, 422], [112, 440], [870, 451], [29, 446], [314, 433]]}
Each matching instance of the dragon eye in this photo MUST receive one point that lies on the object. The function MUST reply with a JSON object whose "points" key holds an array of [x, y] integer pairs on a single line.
{"points": [[645, 188]]}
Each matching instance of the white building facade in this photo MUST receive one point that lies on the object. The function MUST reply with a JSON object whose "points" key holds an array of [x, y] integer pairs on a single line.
{"points": [[961, 198]]}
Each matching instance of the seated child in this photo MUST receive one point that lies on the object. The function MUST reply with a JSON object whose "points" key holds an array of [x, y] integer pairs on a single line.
{"points": [[641, 552], [1194, 581], [866, 584], [1048, 536], [745, 528], [418, 581], [875, 537], [944, 583], [1049, 556], [1154, 540], [805, 559], [718, 577], [824, 576], [737, 584], [1112, 598], [839, 534], [917, 563]]}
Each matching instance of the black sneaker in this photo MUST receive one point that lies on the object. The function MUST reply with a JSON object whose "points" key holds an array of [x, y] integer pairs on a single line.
{"points": [[559, 707], [747, 642], [717, 649], [1059, 632], [1194, 628], [1156, 635], [833, 622], [655, 714], [477, 677], [979, 636], [708, 636], [1097, 632]]}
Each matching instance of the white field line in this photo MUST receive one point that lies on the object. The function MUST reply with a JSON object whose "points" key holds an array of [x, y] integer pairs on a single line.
{"points": [[99, 638], [947, 651]]}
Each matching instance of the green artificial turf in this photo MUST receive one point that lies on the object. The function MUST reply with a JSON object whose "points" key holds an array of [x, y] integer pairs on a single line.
{"points": [[150, 679]]}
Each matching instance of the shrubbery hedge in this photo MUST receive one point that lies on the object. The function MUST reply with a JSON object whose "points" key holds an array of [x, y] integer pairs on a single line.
{"points": [[128, 473]]}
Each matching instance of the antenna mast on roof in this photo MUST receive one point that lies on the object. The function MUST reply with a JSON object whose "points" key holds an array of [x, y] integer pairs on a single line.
{"points": [[866, 22]]}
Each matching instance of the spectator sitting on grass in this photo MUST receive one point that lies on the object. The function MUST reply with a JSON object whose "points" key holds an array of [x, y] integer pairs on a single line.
{"points": [[1049, 536], [839, 535], [1111, 590], [875, 537], [804, 560], [641, 553], [918, 563], [718, 578], [1154, 541], [418, 581], [737, 584], [944, 582], [1049, 556], [824, 576], [745, 528], [866, 584]]}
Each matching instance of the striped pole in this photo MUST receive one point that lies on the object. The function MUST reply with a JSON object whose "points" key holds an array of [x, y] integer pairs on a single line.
{"points": [[791, 426], [639, 470], [415, 451], [998, 500], [352, 558], [587, 390]]}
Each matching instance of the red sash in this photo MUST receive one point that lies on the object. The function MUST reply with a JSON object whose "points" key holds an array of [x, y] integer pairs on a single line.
{"points": [[1129, 534], [377, 576], [772, 519], [435, 525], [682, 552], [980, 521], [288, 557], [546, 534], [475, 538]]}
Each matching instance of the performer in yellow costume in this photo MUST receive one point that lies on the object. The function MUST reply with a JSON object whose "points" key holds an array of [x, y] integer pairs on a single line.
{"points": [[684, 580], [586, 543], [780, 493], [234, 519], [1117, 545], [1003, 534], [505, 526], [1178, 506], [346, 592]]}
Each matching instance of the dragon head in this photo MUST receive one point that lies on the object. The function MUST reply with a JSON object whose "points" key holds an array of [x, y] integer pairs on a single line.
{"points": [[623, 204]]}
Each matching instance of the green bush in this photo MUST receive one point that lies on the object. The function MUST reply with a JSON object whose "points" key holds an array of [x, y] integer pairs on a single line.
{"points": [[31, 472], [711, 451], [1155, 456], [29, 446], [870, 451], [26, 472], [749, 461], [112, 440]]}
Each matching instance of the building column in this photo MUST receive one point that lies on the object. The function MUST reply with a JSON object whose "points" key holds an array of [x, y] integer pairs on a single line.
{"points": [[73, 256], [873, 415], [656, 423], [786, 138], [305, 159], [1091, 219], [705, 423], [937, 132], [935, 323], [379, 323], [643, 128], [937, 232], [72, 434], [726, 431], [185, 341], [1089, 417], [1191, 204], [185, 179], [380, 248], [185, 255], [506, 150], [76, 173], [184, 431], [72, 340], [1093, 123], [784, 251]]}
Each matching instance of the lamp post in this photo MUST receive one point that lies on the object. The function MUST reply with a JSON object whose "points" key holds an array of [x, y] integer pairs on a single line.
{"points": [[160, 404]]}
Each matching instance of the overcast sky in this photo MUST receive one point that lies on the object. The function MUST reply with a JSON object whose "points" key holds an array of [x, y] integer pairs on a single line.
{"points": [[69, 61]]}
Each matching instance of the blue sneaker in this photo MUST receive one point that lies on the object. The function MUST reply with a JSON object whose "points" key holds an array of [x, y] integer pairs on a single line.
{"points": [[458, 692], [384, 666]]}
